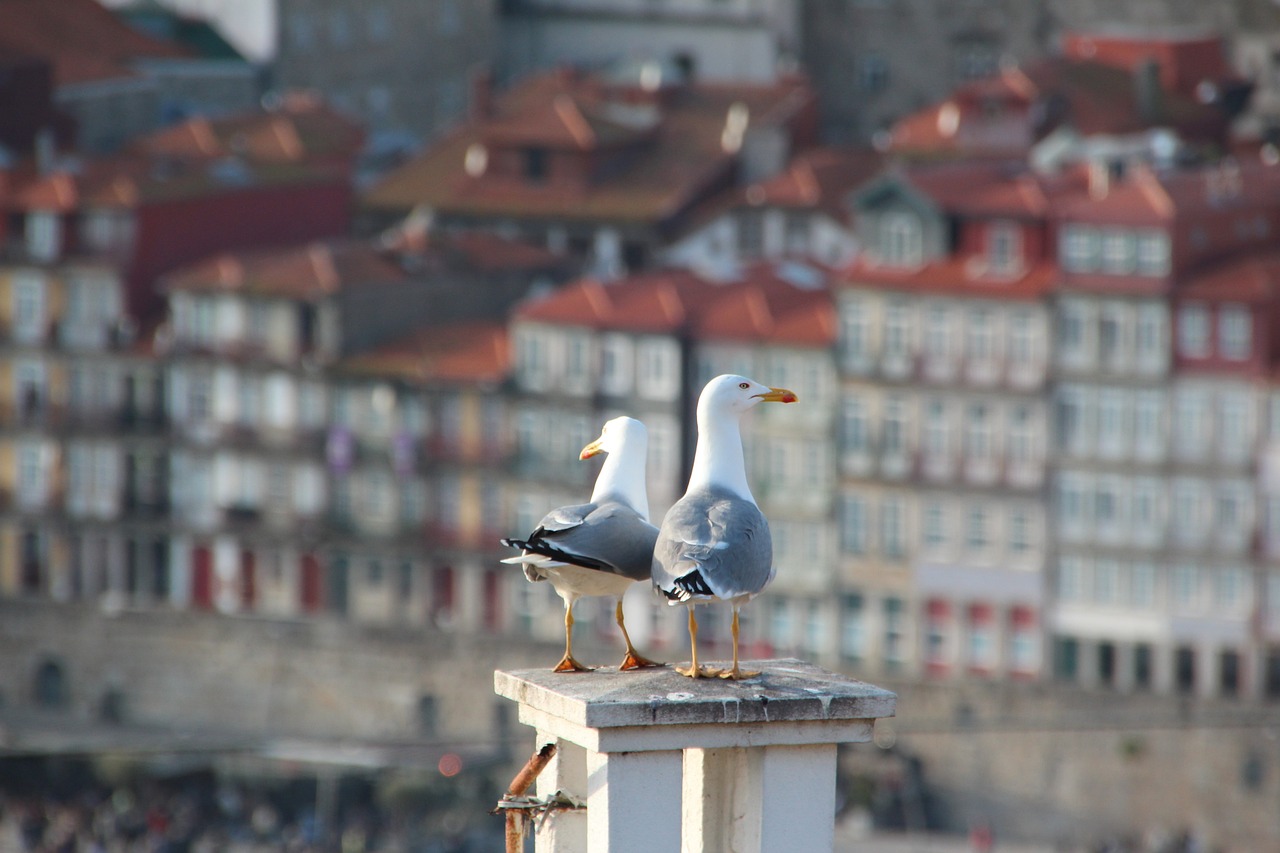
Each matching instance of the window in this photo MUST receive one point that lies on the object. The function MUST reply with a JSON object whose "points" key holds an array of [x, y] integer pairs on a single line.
{"points": [[853, 426], [854, 525], [936, 438], [1080, 248], [853, 628], [1071, 331], [855, 328], [1119, 252], [1021, 435], [977, 440], [44, 235], [1106, 582], [1235, 424], [901, 240], [894, 631], [980, 343], [1024, 331], [934, 525], [1071, 579], [937, 338], [1235, 327], [893, 528], [1153, 253], [658, 377], [536, 167], [897, 341], [28, 308], [981, 631], [1186, 587], [615, 365], [1193, 330], [1019, 530], [893, 440], [977, 522], [577, 364]]}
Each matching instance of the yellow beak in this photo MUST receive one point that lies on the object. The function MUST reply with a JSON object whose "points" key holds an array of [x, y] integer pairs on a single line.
{"points": [[778, 395], [592, 449]]}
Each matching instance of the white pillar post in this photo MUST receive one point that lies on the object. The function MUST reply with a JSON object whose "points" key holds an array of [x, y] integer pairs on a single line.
{"points": [[668, 764], [567, 772], [633, 801]]}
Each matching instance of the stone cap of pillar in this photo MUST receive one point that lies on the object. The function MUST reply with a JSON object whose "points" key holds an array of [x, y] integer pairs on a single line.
{"points": [[790, 702]]}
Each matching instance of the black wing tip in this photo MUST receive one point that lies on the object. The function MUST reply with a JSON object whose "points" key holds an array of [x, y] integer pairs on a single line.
{"points": [[687, 586], [515, 543]]}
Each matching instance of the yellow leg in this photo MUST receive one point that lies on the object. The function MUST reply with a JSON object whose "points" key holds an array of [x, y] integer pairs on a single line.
{"points": [[633, 660], [567, 663], [735, 673], [693, 670]]}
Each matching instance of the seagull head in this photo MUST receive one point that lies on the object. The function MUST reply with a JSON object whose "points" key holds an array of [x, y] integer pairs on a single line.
{"points": [[732, 393], [616, 434]]}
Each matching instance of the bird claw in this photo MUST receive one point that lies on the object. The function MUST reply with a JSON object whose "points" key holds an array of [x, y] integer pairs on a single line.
{"points": [[569, 664], [635, 661], [701, 671]]}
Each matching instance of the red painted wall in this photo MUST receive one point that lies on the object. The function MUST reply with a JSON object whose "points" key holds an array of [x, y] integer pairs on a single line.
{"points": [[174, 233]]}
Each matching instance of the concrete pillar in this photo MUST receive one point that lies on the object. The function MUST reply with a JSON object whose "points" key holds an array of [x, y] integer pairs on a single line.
{"points": [[668, 764], [567, 771]]}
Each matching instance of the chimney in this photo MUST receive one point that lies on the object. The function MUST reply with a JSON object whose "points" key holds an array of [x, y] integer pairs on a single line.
{"points": [[1148, 94]]}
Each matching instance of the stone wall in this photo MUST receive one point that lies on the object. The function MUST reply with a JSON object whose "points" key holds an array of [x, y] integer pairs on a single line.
{"points": [[1039, 762]]}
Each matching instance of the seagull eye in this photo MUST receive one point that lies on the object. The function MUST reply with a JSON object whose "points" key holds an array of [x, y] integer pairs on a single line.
{"points": [[743, 385]]}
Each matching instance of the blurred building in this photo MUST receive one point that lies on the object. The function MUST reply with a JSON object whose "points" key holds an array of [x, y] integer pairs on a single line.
{"points": [[802, 212], [115, 82], [606, 168], [944, 354], [402, 67], [709, 39]]}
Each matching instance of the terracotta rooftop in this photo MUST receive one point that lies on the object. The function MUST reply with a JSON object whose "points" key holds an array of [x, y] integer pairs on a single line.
{"points": [[465, 353], [84, 41], [765, 305], [999, 115], [676, 150], [308, 272], [300, 127]]}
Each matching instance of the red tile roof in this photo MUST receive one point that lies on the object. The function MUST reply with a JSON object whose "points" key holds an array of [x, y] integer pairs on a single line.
{"points": [[299, 128], [678, 162], [762, 307], [999, 115], [466, 353], [309, 272], [84, 41]]}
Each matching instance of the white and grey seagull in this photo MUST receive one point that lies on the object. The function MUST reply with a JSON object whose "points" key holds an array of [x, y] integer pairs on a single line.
{"points": [[601, 547], [714, 543]]}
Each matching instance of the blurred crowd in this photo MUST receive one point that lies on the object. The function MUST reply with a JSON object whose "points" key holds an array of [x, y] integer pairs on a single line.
{"points": [[228, 819]]}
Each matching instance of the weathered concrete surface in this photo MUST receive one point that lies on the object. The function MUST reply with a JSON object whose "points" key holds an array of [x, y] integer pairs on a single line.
{"points": [[786, 690]]}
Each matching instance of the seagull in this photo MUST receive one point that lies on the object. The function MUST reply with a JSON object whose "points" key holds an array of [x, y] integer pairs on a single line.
{"points": [[714, 542], [600, 547]]}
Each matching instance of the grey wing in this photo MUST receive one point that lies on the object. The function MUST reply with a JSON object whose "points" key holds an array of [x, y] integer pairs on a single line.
{"points": [[723, 539], [612, 538], [565, 517]]}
